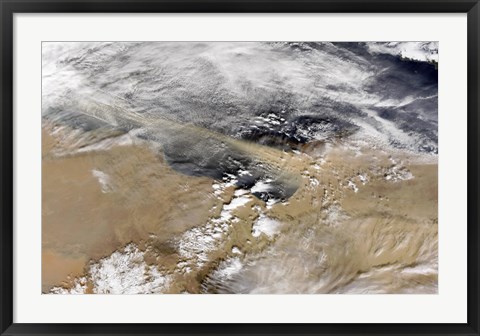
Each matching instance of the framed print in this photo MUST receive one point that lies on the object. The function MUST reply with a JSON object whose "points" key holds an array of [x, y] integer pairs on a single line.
{"points": [[239, 167]]}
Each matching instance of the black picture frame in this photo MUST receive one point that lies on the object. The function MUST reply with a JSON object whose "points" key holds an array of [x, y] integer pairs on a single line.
{"points": [[10, 7]]}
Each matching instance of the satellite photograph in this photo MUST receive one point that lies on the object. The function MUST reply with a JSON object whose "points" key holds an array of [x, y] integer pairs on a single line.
{"points": [[240, 167]]}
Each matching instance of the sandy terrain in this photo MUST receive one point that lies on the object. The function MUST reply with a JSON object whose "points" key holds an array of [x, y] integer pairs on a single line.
{"points": [[142, 198], [362, 220]]}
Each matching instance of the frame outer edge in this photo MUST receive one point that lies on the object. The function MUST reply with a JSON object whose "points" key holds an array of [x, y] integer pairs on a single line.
{"points": [[242, 6], [6, 168], [473, 166], [6, 158]]}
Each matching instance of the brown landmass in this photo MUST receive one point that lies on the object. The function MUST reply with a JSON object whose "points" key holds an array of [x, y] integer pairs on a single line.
{"points": [[80, 222], [358, 211]]}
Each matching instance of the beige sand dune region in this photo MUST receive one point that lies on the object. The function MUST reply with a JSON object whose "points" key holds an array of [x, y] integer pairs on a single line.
{"points": [[355, 224]]}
